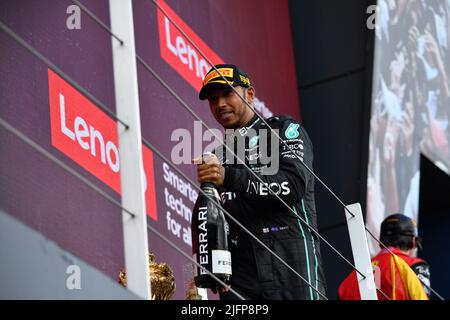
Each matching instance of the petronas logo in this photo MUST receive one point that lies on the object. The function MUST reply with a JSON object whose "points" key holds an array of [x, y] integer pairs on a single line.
{"points": [[253, 141], [292, 131]]}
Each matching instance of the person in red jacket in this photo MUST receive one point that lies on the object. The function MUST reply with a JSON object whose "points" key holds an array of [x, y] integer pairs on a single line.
{"points": [[399, 276]]}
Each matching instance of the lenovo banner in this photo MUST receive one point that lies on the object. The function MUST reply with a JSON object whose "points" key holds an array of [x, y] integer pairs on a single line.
{"points": [[181, 54], [88, 136]]}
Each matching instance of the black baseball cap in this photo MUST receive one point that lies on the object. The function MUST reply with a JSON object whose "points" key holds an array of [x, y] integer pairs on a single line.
{"points": [[233, 75], [398, 225]]}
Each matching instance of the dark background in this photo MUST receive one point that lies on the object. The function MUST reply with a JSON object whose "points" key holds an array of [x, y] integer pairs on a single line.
{"points": [[333, 51], [434, 206]]}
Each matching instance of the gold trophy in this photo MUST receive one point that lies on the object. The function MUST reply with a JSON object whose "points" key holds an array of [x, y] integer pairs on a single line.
{"points": [[162, 279]]}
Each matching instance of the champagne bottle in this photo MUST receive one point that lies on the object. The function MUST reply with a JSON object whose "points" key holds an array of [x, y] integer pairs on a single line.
{"points": [[209, 239]]}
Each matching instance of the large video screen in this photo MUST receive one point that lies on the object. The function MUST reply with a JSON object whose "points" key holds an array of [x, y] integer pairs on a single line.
{"points": [[410, 104]]}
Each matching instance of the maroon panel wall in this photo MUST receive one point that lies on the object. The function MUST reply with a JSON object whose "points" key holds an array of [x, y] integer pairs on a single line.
{"points": [[33, 189]]}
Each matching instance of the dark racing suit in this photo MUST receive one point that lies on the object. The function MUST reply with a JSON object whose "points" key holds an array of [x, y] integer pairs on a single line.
{"points": [[257, 274]]}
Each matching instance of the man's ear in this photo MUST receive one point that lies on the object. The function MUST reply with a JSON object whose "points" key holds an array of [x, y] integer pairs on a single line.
{"points": [[250, 95]]}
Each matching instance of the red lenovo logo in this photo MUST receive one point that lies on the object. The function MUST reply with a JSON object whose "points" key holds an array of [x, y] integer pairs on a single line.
{"points": [[88, 136], [179, 53]]}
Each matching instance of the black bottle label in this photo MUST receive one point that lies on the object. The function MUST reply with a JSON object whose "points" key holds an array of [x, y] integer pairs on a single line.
{"points": [[209, 240]]}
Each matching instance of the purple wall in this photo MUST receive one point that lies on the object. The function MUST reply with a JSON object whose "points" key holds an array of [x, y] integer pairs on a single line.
{"points": [[32, 188], [45, 197]]}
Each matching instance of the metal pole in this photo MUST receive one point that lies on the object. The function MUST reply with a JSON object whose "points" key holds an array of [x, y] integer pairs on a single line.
{"points": [[130, 148], [360, 251]]}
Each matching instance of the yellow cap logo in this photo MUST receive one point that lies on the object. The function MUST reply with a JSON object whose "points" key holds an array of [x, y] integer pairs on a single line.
{"points": [[245, 80], [226, 72]]}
